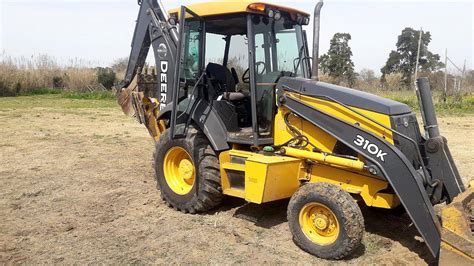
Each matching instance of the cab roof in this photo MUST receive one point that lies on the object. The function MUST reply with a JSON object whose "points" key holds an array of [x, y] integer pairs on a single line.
{"points": [[214, 8]]}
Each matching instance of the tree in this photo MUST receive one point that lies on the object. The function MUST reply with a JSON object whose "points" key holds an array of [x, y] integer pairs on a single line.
{"points": [[403, 60], [366, 80], [470, 77], [368, 75], [337, 63], [120, 65]]}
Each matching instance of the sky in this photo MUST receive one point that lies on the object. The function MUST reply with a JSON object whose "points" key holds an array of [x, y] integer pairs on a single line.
{"points": [[98, 32]]}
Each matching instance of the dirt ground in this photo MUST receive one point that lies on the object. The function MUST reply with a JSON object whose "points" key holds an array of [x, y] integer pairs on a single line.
{"points": [[77, 187]]}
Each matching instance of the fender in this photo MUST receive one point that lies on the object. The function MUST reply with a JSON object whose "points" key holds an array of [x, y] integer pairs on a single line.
{"points": [[211, 124], [206, 119], [165, 113]]}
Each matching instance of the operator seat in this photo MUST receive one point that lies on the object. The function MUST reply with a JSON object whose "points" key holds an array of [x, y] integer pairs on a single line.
{"points": [[224, 81]]}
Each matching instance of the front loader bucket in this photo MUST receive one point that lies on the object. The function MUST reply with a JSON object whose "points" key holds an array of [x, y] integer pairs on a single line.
{"points": [[457, 243]]}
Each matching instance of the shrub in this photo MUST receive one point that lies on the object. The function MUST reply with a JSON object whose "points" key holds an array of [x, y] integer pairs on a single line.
{"points": [[120, 67], [393, 82], [106, 76], [58, 82]]}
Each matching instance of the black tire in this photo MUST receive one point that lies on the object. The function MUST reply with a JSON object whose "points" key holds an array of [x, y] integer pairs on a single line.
{"points": [[206, 192], [347, 214]]}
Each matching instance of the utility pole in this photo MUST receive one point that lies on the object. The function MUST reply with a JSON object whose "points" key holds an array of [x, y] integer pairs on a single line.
{"points": [[455, 85], [446, 75], [462, 75], [418, 55]]}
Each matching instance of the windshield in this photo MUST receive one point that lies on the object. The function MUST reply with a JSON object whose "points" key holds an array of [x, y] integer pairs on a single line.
{"points": [[279, 51], [278, 47]]}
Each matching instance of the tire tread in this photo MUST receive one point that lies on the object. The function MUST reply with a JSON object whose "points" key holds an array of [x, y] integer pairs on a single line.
{"points": [[208, 194], [351, 214]]}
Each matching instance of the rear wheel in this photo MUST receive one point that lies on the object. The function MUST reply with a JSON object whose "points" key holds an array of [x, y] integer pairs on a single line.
{"points": [[325, 221], [187, 172]]}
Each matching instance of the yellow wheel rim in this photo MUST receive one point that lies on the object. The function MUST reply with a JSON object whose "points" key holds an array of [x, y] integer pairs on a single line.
{"points": [[179, 170], [319, 223]]}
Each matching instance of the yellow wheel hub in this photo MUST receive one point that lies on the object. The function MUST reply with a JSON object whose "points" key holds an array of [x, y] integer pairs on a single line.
{"points": [[186, 169], [319, 223], [179, 170]]}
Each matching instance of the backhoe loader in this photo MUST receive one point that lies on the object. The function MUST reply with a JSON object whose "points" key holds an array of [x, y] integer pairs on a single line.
{"points": [[235, 108]]}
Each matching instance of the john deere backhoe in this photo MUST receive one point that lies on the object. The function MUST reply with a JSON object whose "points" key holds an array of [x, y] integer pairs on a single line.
{"points": [[235, 108]]}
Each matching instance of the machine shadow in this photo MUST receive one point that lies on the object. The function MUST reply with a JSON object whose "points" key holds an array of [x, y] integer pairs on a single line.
{"points": [[269, 215], [265, 215], [228, 204], [397, 227], [385, 223]]}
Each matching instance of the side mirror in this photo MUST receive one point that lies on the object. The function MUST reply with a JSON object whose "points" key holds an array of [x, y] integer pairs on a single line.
{"points": [[139, 2]]}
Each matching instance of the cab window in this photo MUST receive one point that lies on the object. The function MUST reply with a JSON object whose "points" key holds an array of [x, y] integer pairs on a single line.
{"points": [[192, 50]]}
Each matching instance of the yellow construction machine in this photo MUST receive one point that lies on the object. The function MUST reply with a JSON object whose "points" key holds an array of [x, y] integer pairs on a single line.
{"points": [[235, 108]]}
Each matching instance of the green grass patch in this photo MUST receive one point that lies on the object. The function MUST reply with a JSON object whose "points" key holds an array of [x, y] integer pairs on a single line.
{"points": [[98, 95], [41, 91], [54, 98], [54, 101], [57, 98], [444, 106]]}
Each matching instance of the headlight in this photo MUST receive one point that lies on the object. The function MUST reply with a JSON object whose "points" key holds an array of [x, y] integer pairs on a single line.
{"points": [[270, 13], [306, 21], [277, 15]]}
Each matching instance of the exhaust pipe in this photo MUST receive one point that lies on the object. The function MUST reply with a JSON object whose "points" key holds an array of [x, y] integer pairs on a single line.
{"points": [[316, 29], [427, 108], [440, 160]]}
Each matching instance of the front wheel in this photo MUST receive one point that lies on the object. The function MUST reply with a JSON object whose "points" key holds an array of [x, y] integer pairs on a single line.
{"points": [[325, 221], [187, 172]]}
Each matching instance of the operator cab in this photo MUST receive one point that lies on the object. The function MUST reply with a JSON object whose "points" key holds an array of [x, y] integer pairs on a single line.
{"points": [[234, 60]]}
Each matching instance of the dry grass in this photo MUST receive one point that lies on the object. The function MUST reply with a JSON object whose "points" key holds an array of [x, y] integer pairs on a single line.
{"points": [[30, 75], [393, 82], [21, 75]]}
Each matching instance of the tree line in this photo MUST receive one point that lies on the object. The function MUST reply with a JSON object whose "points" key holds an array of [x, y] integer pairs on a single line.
{"points": [[337, 65]]}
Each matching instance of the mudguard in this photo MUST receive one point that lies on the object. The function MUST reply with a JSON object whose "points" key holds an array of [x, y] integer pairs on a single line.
{"points": [[394, 167], [211, 124]]}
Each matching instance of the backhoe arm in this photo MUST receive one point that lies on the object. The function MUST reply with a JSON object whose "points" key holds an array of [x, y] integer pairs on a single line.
{"points": [[152, 24], [152, 29], [142, 94]]}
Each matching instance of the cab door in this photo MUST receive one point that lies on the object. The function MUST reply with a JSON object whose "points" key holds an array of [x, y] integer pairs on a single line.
{"points": [[190, 65], [261, 88]]}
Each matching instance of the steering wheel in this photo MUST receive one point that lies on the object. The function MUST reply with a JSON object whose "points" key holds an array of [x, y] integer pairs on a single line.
{"points": [[246, 75]]}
